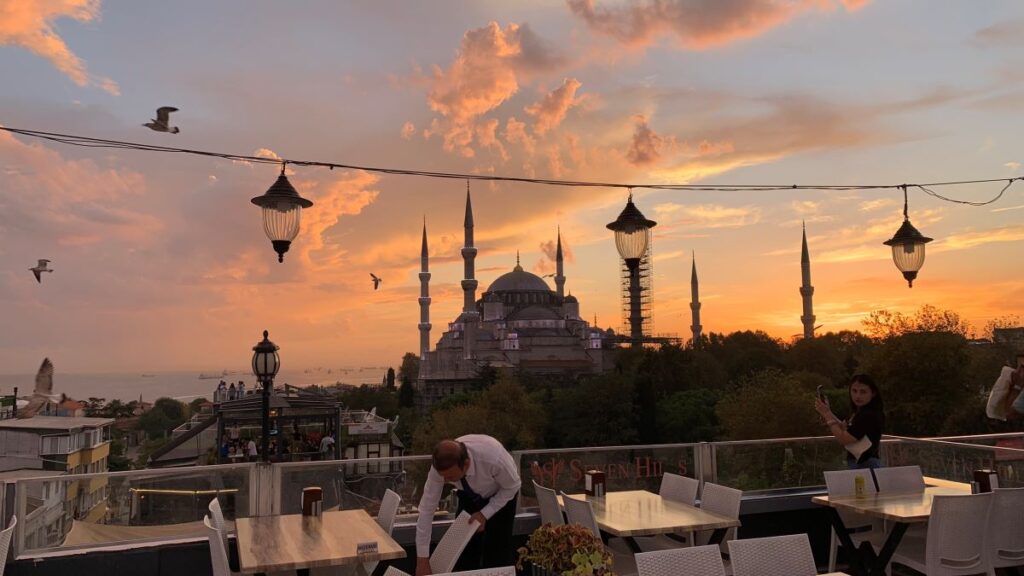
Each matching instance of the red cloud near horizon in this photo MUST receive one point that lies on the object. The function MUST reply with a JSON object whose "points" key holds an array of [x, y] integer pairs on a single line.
{"points": [[696, 24]]}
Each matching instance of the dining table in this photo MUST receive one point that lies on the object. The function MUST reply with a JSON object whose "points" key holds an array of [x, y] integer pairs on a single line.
{"points": [[631, 513], [290, 542], [901, 509]]}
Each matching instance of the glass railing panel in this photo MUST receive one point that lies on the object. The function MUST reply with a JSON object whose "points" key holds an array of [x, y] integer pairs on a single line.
{"points": [[625, 468], [776, 464], [361, 484], [956, 461], [89, 510]]}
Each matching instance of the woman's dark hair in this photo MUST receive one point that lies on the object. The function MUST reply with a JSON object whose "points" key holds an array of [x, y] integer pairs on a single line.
{"points": [[876, 396]]}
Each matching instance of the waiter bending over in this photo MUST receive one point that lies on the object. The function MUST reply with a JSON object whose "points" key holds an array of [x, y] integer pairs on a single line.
{"points": [[487, 478]]}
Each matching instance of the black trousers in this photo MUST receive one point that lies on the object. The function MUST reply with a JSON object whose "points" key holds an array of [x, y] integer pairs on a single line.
{"points": [[491, 548]]}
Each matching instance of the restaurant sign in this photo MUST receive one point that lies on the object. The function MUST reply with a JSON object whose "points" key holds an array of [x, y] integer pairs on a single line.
{"points": [[368, 428]]}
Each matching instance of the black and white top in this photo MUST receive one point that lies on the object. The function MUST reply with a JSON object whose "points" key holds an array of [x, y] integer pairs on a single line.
{"points": [[867, 422]]}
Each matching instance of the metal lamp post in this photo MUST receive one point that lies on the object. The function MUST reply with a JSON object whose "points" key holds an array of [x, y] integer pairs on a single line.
{"points": [[908, 246], [282, 211], [265, 364], [632, 236]]}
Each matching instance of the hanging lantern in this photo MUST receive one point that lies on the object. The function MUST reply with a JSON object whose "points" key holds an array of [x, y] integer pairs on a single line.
{"points": [[282, 211], [908, 246]]}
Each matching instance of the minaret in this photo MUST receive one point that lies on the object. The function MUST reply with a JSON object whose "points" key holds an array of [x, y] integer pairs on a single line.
{"points": [[695, 304], [469, 256], [469, 284], [559, 270], [806, 290], [424, 297]]}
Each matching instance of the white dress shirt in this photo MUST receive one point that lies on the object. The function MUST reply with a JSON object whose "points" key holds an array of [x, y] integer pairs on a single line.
{"points": [[492, 474]]}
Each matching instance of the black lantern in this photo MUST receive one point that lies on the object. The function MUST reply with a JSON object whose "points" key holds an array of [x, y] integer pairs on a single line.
{"points": [[632, 236], [265, 364], [908, 246], [632, 232], [282, 211]]}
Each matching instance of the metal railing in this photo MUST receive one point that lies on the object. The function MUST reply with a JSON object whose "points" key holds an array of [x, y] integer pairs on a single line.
{"points": [[148, 507]]}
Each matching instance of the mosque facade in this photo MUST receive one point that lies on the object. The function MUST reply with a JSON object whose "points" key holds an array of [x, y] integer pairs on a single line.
{"points": [[518, 323]]}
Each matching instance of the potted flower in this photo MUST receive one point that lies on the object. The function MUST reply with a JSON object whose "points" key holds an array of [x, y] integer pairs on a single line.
{"points": [[567, 550]]}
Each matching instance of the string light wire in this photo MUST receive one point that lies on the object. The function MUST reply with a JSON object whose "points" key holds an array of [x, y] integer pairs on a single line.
{"points": [[927, 188]]}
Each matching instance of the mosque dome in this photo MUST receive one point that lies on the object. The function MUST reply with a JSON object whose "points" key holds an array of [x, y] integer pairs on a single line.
{"points": [[519, 280]]}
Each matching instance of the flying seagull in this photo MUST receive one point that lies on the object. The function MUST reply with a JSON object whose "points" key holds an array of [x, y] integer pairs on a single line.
{"points": [[43, 393], [376, 280], [40, 268], [163, 117]]}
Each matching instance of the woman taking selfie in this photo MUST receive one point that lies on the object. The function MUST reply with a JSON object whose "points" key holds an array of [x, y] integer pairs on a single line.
{"points": [[861, 433]]}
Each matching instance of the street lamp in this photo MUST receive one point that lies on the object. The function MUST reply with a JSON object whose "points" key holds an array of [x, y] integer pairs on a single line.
{"points": [[632, 236], [908, 246], [265, 364], [282, 210]]}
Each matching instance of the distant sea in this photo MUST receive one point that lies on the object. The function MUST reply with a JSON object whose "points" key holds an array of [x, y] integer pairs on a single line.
{"points": [[184, 386]]}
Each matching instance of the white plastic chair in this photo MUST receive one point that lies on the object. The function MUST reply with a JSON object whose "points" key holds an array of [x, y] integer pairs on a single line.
{"points": [[452, 544], [1004, 540], [679, 489], [547, 499], [5, 542], [218, 553], [723, 501], [955, 541], [385, 519], [217, 521], [388, 510], [900, 479], [392, 571], [867, 529], [697, 561], [581, 512], [775, 556], [503, 571]]}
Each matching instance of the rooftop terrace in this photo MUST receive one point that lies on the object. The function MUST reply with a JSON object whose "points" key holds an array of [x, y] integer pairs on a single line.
{"points": [[150, 520]]}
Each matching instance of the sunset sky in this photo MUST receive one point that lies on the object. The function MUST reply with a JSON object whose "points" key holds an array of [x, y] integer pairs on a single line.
{"points": [[162, 264]]}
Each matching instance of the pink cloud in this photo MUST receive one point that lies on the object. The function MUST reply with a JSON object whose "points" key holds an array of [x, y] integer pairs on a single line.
{"points": [[486, 135], [71, 202], [645, 148], [696, 24], [550, 111], [29, 24], [515, 133], [408, 130]]}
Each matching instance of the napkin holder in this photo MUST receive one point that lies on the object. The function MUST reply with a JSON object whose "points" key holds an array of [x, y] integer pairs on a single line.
{"points": [[986, 480], [594, 483], [313, 501]]}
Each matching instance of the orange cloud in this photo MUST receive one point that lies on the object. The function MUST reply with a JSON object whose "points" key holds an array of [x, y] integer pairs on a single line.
{"points": [[695, 24], [485, 73], [971, 239], [345, 196], [551, 110], [29, 24]]}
